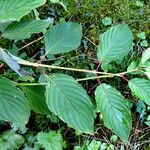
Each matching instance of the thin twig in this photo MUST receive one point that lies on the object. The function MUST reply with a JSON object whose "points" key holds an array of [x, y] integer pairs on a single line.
{"points": [[90, 41], [31, 43], [64, 68]]}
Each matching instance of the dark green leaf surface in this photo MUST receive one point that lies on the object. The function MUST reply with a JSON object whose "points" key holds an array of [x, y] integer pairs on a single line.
{"points": [[24, 29], [115, 110], [36, 97], [13, 104], [141, 88], [70, 102], [63, 38], [115, 44], [14, 10]]}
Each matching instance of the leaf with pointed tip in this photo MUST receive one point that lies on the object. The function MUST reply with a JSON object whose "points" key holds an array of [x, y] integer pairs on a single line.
{"points": [[115, 44], [141, 88], [24, 29], [63, 37], [13, 104], [10, 61], [14, 10], [69, 101], [115, 110]]}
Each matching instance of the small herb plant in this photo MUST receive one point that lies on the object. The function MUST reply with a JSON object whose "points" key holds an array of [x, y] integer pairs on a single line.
{"points": [[59, 93]]}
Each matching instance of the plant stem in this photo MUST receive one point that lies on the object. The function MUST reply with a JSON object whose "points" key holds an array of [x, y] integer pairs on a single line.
{"points": [[78, 80], [63, 68], [95, 77], [37, 65], [40, 38], [30, 84]]}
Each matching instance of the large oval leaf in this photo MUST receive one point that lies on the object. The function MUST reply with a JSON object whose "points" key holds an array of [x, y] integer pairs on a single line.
{"points": [[115, 110], [36, 97], [63, 38], [115, 43], [141, 88], [24, 29], [13, 104], [11, 10], [70, 102]]}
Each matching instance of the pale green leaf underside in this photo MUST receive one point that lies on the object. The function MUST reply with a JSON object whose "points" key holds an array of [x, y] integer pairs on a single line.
{"points": [[115, 110], [70, 102], [10, 61], [63, 38], [24, 29], [115, 44], [13, 104], [11, 10], [141, 88], [36, 97]]}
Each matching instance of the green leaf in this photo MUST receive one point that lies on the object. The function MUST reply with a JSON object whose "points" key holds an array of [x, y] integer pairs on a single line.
{"points": [[61, 2], [63, 38], [24, 29], [115, 110], [103, 146], [144, 43], [10, 61], [113, 138], [69, 101], [36, 97], [139, 3], [3, 26], [13, 104], [107, 21], [115, 44], [141, 35], [10, 140], [14, 10], [141, 88], [145, 56], [133, 65], [147, 73], [51, 141]]}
